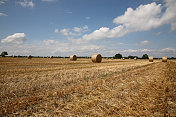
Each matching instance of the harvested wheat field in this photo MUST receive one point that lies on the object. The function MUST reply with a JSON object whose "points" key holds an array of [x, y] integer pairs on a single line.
{"points": [[60, 87]]}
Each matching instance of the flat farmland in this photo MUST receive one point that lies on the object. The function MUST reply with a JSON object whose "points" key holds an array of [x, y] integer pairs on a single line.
{"points": [[60, 87]]}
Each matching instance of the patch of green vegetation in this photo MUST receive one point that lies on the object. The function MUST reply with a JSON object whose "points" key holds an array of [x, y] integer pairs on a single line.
{"points": [[86, 78], [50, 111], [56, 105], [104, 76]]}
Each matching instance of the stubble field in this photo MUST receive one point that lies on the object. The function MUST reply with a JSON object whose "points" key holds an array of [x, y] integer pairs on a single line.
{"points": [[60, 87]]}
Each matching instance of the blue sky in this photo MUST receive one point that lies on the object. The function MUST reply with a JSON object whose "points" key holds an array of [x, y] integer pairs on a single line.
{"points": [[85, 27]]}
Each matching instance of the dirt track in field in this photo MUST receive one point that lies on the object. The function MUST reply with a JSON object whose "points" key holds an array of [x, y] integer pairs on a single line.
{"points": [[112, 88]]}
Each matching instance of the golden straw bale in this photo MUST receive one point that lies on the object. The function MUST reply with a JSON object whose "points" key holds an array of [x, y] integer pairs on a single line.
{"points": [[135, 58], [164, 59], [96, 58], [51, 57], [150, 58], [14, 56], [29, 57], [73, 57]]}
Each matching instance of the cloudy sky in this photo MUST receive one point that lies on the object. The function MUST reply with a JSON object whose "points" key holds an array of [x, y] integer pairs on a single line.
{"points": [[85, 27]]}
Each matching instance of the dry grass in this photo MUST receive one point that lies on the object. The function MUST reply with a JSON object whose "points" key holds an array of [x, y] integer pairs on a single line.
{"points": [[60, 87]]}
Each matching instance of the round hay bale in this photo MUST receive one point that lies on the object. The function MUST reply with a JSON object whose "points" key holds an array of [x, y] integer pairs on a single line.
{"points": [[164, 59], [51, 57], [123, 58], [14, 56], [135, 58], [150, 58], [73, 57], [29, 57], [96, 58]]}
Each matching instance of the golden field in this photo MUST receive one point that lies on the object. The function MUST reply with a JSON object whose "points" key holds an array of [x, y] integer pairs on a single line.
{"points": [[60, 87]]}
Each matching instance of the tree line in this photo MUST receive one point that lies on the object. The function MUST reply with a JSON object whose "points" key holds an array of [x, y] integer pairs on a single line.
{"points": [[117, 56]]}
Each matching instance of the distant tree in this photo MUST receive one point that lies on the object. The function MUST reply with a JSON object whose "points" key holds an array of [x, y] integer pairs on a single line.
{"points": [[3, 54], [136, 57], [172, 58], [131, 57], [145, 56], [118, 56]]}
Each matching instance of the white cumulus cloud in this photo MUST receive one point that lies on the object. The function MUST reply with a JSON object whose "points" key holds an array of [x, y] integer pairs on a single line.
{"points": [[145, 42], [50, 42], [66, 32], [168, 50], [76, 31], [26, 3], [17, 38], [68, 48], [143, 18], [56, 48], [3, 14], [87, 18], [158, 33], [105, 32], [56, 30], [2, 1]]}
